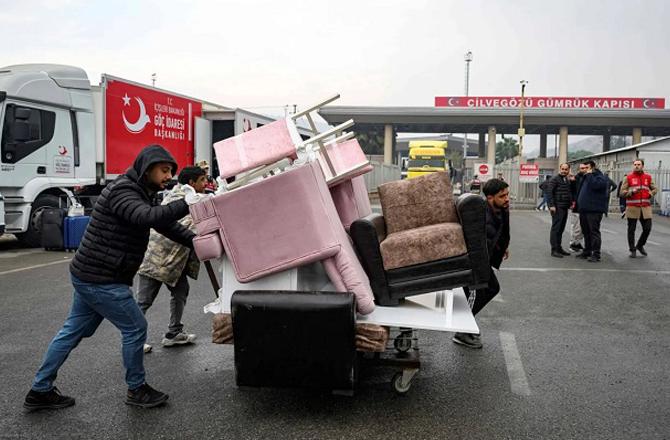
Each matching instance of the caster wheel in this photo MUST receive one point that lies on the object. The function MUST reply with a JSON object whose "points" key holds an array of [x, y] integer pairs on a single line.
{"points": [[398, 386], [403, 342]]}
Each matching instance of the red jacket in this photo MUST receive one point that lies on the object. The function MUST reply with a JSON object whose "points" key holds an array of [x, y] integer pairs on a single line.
{"points": [[642, 183]]}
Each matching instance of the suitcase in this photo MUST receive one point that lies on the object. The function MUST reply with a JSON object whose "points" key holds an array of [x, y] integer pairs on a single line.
{"points": [[294, 339], [52, 228], [73, 231]]}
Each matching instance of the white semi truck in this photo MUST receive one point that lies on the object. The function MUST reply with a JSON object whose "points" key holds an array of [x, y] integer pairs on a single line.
{"points": [[62, 138]]}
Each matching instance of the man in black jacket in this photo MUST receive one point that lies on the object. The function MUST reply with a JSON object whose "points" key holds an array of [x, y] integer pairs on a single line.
{"points": [[559, 199], [592, 203], [102, 272], [497, 242]]}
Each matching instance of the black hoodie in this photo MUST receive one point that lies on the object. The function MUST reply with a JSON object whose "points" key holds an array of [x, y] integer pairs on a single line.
{"points": [[117, 237]]}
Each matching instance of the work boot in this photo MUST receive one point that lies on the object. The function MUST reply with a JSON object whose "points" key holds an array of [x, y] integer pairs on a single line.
{"points": [[145, 397], [556, 254], [583, 255], [47, 400], [633, 254], [641, 249], [180, 338], [563, 251], [469, 340]]}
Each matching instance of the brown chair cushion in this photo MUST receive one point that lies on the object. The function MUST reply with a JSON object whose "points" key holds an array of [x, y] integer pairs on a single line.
{"points": [[413, 203], [421, 245]]}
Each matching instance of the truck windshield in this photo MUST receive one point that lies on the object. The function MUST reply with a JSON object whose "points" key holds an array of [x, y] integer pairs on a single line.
{"points": [[421, 163]]}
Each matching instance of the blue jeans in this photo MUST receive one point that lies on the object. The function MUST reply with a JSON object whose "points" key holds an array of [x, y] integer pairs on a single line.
{"points": [[92, 303]]}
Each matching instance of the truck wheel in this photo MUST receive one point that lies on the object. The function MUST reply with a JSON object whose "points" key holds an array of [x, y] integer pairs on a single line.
{"points": [[33, 236]]}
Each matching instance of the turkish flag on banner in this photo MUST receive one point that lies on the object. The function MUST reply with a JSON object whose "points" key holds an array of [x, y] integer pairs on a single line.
{"points": [[137, 116]]}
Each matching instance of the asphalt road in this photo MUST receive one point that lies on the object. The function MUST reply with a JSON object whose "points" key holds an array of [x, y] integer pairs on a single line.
{"points": [[572, 350]]}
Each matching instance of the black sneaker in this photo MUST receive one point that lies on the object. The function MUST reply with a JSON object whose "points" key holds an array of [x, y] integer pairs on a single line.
{"points": [[146, 397], [469, 340], [576, 247], [593, 259], [633, 254], [556, 254], [563, 251], [641, 250], [47, 400], [583, 256]]}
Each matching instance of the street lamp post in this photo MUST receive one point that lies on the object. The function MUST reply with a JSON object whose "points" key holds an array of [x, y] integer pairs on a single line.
{"points": [[522, 131], [468, 59]]}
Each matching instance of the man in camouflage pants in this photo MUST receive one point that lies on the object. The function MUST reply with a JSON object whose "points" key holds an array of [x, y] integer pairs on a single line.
{"points": [[169, 263]]}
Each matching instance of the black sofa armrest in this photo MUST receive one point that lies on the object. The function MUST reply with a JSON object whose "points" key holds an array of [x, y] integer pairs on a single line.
{"points": [[367, 233], [471, 210]]}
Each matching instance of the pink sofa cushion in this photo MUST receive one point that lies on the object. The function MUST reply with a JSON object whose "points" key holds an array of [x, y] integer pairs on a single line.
{"points": [[421, 245], [208, 247], [274, 224], [255, 148], [351, 200], [413, 203]]}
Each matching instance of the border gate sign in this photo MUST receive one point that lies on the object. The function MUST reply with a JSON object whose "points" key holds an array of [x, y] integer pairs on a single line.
{"points": [[484, 171], [529, 173]]}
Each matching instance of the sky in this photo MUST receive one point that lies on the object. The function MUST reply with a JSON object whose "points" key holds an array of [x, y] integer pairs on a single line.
{"points": [[262, 55]]}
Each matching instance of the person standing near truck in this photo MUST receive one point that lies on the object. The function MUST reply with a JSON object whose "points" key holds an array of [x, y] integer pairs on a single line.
{"points": [[638, 189], [102, 273]]}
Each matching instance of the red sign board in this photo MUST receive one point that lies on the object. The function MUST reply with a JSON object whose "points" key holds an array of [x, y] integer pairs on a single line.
{"points": [[483, 169], [138, 116], [529, 172], [549, 102]]}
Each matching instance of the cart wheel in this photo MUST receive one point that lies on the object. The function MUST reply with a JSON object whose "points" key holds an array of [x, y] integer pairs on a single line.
{"points": [[403, 342], [398, 386]]}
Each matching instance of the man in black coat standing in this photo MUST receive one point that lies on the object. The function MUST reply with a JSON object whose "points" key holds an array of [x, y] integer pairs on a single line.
{"points": [[102, 273], [497, 243], [559, 199], [592, 203]]}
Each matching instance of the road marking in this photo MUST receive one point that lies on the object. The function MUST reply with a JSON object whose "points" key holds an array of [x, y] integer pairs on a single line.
{"points": [[10, 254], [517, 376], [607, 230], [498, 298], [654, 243], [21, 269], [571, 269]]}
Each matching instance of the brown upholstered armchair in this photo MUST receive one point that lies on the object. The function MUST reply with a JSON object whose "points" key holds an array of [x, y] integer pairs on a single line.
{"points": [[424, 241]]}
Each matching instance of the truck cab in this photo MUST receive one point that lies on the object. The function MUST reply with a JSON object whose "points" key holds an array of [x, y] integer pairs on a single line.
{"points": [[46, 141], [426, 157]]}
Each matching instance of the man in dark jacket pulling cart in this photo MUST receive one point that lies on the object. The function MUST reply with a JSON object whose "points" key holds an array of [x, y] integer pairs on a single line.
{"points": [[497, 242], [102, 273]]}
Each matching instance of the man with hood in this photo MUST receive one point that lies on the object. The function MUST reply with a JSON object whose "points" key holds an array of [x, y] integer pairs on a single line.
{"points": [[102, 273], [170, 263]]}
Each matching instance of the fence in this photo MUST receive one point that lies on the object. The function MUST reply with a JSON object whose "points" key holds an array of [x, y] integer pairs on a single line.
{"points": [[381, 173], [524, 195]]}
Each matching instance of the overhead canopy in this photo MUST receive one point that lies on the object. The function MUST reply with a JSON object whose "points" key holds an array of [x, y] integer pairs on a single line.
{"points": [[506, 121]]}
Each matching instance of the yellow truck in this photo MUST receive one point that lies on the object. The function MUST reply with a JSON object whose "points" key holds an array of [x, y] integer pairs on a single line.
{"points": [[426, 157]]}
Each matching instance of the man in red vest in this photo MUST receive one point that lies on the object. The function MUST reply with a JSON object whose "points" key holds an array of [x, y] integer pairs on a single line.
{"points": [[638, 189]]}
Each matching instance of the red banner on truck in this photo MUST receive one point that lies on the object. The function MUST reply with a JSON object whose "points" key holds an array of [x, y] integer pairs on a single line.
{"points": [[549, 102], [137, 116]]}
